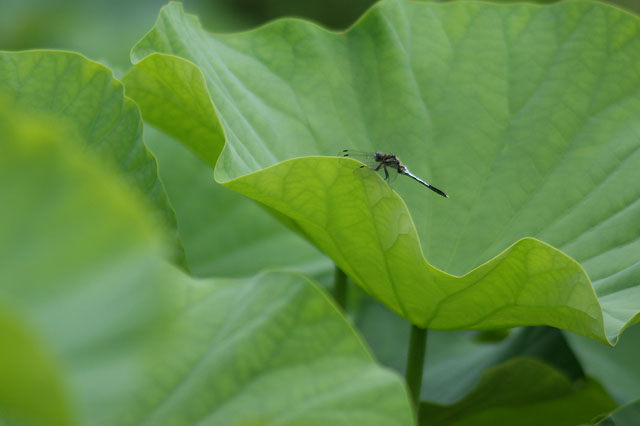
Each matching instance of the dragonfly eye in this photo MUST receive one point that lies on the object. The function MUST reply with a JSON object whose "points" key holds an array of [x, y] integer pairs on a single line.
{"points": [[378, 156]]}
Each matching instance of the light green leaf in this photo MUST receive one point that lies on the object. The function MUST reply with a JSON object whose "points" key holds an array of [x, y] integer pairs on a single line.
{"points": [[522, 392], [27, 367], [224, 233], [271, 349], [84, 292], [525, 115], [84, 96], [80, 295]]}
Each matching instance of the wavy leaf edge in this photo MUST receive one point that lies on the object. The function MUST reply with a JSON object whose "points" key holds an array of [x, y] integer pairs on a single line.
{"points": [[599, 333]]}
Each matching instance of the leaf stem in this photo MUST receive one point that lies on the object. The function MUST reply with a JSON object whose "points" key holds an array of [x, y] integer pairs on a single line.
{"points": [[415, 362], [340, 287]]}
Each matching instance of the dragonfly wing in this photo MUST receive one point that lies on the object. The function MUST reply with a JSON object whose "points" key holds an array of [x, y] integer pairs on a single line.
{"points": [[393, 174], [367, 158]]}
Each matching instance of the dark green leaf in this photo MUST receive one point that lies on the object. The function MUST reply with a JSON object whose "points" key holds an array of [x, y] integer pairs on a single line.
{"points": [[616, 368], [522, 392], [627, 415]]}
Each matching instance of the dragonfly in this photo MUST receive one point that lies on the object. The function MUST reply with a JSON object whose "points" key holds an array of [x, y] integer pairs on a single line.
{"points": [[384, 161]]}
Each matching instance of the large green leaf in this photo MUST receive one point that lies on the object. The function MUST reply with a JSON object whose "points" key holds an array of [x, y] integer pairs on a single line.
{"points": [[522, 392], [224, 233], [84, 290], [84, 95], [271, 349], [631, 5], [524, 114], [80, 288]]}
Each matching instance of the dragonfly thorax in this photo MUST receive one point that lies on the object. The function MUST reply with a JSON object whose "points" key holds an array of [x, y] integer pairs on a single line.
{"points": [[387, 159]]}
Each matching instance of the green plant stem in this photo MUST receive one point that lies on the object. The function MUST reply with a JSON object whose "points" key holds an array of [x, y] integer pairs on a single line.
{"points": [[340, 287], [415, 361]]}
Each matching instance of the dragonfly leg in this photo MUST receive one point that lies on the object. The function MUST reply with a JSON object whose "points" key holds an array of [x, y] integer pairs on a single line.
{"points": [[386, 173]]}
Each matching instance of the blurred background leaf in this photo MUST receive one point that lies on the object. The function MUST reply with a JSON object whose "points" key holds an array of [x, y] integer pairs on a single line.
{"points": [[629, 5], [522, 392], [93, 317], [224, 233], [91, 107], [78, 245], [627, 415], [457, 359], [616, 368], [105, 31], [270, 349]]}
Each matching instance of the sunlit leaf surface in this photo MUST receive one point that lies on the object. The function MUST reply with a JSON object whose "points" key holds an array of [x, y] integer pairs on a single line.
{"points": [[524, 115]]}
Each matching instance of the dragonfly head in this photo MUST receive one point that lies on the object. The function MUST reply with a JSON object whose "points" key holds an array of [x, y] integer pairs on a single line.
{"points": [[378, 156]]}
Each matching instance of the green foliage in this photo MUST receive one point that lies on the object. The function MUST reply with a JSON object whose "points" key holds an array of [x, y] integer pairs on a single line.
{"points": [[522, 392], [93, 316], [617, 367], [21, 352], [457, 360], [77, 246], [224, 233], [525, 114], [626, 415], [91, 105], [270, 349], [543, 97]]}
